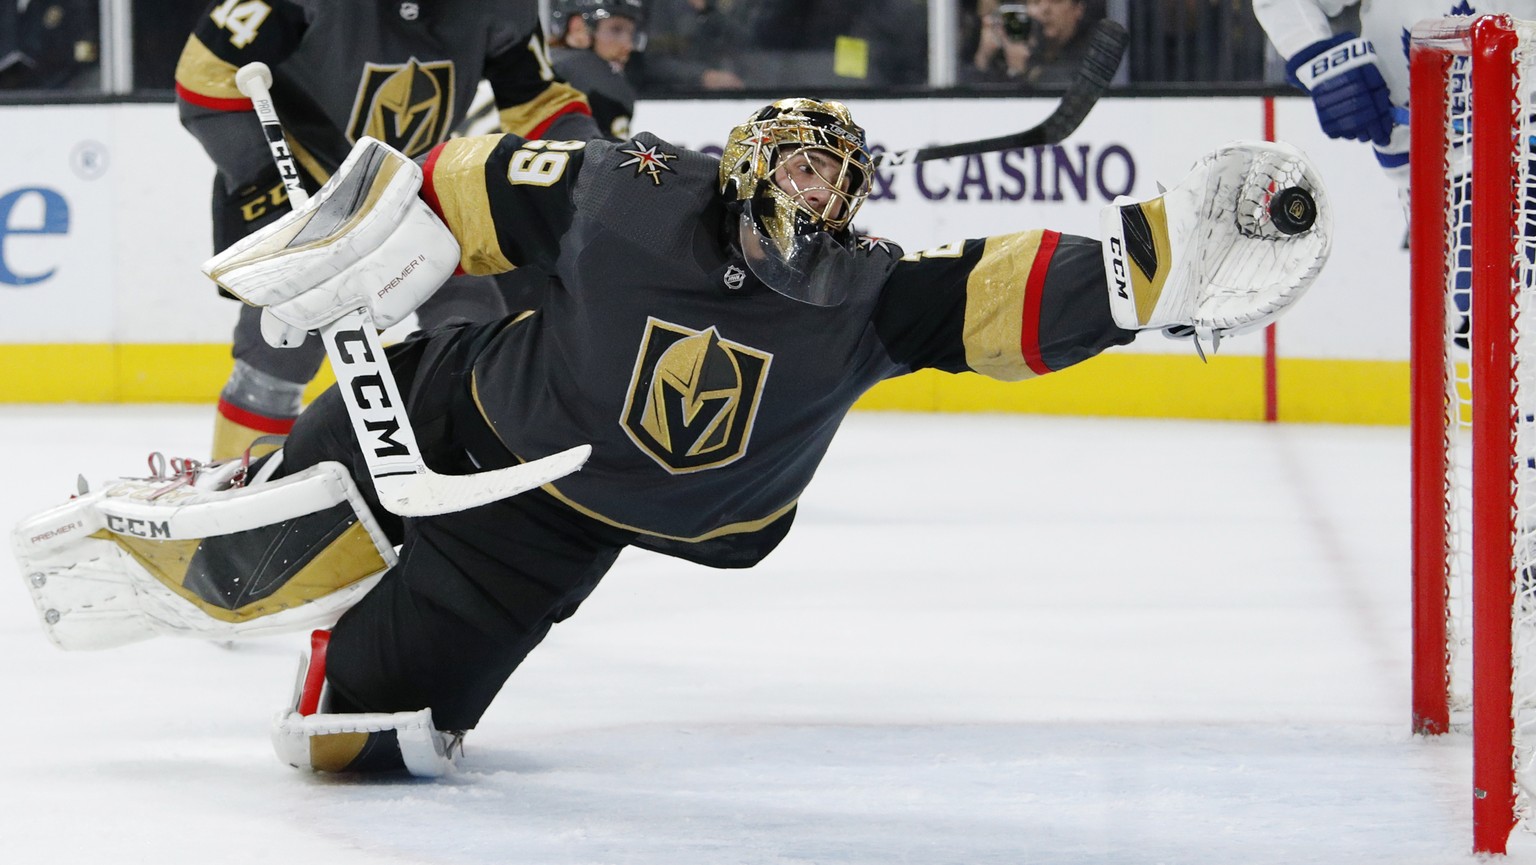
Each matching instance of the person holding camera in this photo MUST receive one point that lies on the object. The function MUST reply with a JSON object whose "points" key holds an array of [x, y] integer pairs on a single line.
{"points": [[1036, 42]]}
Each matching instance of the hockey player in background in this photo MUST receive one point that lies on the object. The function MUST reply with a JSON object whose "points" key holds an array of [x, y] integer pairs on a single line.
{"points": [[402, 72], [1357, 80], [592, 41], [713, 322]]}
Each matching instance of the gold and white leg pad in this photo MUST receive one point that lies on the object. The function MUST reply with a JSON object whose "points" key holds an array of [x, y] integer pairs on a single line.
{"points": [[201, 558], [1220, 253]]}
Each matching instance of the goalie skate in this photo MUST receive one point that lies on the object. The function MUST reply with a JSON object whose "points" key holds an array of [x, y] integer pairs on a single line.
{"points": [[307, 736], [1208, 257]]}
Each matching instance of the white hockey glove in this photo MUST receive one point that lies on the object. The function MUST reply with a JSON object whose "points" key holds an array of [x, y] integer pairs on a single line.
{"points": [[1225, 251], [365, 240]]}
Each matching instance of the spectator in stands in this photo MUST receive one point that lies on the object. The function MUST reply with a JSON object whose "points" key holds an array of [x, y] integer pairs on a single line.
{"points": [[691, 45], [1035, 43], [49, 44]]}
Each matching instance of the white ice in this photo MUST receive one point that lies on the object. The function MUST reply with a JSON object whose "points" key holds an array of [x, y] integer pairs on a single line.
{"points": [[989, 639]]}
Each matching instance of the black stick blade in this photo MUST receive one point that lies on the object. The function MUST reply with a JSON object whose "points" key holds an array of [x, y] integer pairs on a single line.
{"points": [[1105, 49]]}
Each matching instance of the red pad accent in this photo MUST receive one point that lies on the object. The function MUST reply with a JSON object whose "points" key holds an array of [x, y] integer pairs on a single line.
{"points": [[261, 423], [314, 677], [214, 102], [570, 108], [1029, 330]]}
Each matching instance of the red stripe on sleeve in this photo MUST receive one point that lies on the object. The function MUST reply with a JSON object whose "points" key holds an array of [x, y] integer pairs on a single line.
{"points": [[428, 187], [1034, 289], [214, 102], [429, 191], [258, 422], [570, 108]]}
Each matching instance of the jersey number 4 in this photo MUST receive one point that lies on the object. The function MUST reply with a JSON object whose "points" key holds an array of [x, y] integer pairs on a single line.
{"points": [[242, 18]]}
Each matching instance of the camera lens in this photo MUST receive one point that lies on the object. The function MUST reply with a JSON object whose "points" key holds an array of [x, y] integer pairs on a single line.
{"points": [[1016, 23]]}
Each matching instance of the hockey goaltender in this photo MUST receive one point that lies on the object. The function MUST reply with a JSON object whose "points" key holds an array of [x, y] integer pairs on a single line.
{"points": [[711, 323]]}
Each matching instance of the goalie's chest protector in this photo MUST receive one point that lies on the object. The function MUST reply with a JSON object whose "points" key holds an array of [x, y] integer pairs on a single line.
{"points": [[708, 398], [404, 73]]}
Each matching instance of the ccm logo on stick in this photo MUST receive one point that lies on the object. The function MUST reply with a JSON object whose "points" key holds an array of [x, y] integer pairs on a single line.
{"points": [[380, 416]]}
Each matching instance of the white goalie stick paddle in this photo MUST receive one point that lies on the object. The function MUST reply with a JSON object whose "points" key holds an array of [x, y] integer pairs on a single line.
{"points": [[1106, 46], [404, 484]]}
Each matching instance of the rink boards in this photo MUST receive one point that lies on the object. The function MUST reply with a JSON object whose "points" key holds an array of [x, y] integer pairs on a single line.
{"points": [[104, 221]]}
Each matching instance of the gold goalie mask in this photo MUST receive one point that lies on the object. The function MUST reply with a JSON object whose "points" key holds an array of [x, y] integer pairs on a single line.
{"points": [[799, 170]]}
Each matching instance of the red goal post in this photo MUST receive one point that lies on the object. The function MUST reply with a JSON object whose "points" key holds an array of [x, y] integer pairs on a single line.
{"points": [[1473, 264]]}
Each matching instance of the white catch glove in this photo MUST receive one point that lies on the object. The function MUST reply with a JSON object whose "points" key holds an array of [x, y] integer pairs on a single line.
{"points": [[365, 240], [1227, 250]]}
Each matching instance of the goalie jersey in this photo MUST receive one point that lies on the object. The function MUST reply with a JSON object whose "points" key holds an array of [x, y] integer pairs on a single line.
{"points": [[401, 72], [708, 398]]}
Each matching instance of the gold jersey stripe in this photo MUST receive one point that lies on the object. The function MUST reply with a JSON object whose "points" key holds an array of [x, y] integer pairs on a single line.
{"points": [[202, 72], [349, 558], [458, 181], [529, 116], [994, 306]]}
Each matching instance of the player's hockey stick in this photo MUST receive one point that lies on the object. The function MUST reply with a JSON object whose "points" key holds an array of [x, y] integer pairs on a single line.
{"points": [[404, 483], [1105, 48]]}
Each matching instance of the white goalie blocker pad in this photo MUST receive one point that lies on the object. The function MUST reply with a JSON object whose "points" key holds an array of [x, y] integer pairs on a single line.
{"points": [[147, 557], [365, 240], [1207, 255]]}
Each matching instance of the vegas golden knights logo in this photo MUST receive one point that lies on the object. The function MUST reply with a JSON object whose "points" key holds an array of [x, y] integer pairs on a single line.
{"points": [[405, 105], [693, 397]]}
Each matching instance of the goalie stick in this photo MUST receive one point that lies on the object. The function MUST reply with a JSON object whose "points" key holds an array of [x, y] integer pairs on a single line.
{"points": [[404, 484], [1106, 46]]}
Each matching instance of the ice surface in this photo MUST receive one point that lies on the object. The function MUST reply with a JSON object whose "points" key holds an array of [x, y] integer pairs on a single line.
{"points": [[989, 639]]}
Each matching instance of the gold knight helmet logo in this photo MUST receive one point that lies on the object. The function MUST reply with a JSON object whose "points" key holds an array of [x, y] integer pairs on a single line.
{"points": [[405, 105], [693, 397]]}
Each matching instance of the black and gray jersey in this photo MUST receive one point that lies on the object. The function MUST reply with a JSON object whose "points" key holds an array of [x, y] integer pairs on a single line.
{"points": [[401, 72], [708, 398], [608, 90]]}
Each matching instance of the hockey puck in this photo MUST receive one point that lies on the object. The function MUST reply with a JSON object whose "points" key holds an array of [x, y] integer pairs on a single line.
{"points": [[1293, 210]]}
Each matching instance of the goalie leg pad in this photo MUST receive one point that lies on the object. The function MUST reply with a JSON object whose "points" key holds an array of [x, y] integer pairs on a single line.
{"points": [[365, 240], [147, 557], [1209, 254], [307, 737]]}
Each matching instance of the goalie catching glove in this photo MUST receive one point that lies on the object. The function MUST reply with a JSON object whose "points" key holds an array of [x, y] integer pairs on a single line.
{"points": [[1227, 250], [365, 240]]}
